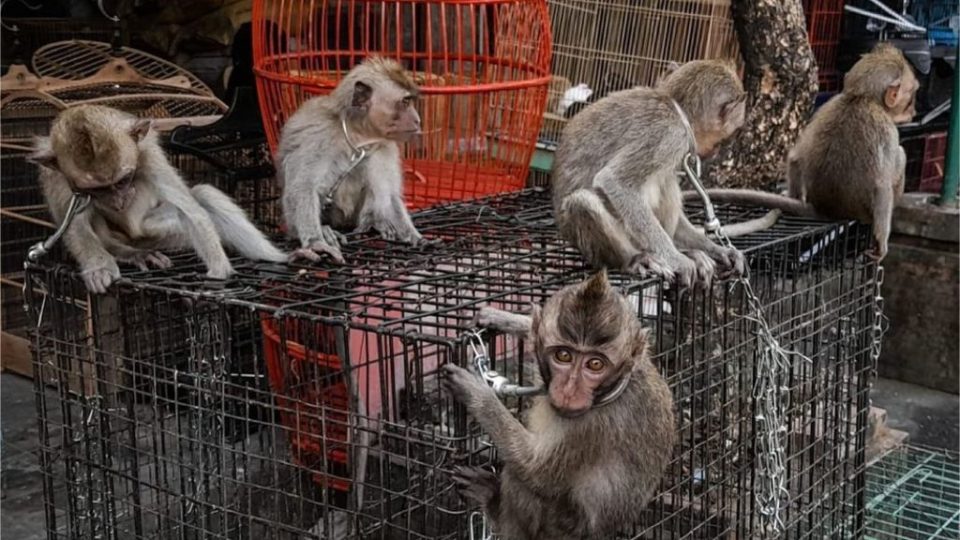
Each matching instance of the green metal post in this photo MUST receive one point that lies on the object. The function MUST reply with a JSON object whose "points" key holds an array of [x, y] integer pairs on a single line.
{"points": [[951, 176]]}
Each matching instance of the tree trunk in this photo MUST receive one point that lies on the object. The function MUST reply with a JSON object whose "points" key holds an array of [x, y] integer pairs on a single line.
{"points": [[781, 81]]}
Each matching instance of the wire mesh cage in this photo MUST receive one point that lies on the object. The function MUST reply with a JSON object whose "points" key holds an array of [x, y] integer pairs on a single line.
{"points": [[913, 493], [609, 46], [305, 403], [483, 68]]}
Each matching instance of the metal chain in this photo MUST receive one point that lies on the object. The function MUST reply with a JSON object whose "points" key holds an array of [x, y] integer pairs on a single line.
{"points": [[880, 325], [769, 393]]}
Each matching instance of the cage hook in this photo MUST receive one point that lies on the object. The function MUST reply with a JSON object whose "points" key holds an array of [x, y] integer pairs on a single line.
{"points": [[78, 203]]}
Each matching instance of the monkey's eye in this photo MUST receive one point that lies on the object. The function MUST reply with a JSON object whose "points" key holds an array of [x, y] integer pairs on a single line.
{"points": [[563, 356], [407, 101], [595, 364]]}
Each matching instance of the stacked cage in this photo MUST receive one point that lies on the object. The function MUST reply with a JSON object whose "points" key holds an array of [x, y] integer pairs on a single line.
{"points": [[305, 403], [482, 66]]}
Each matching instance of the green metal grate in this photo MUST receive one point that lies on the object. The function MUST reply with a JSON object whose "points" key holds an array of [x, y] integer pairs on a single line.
{"points": [[914, 493]]}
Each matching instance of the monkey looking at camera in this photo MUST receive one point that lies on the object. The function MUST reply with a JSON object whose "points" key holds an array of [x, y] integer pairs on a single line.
{"points": [[848, 162], [593, 449], [339, 159], [139, 205], [616, 190]]}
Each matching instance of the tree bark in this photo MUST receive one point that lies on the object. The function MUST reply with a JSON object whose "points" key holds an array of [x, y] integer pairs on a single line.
{"points": [[781, 81]]}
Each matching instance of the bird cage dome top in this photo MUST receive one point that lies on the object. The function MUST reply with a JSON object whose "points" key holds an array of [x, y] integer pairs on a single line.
{"points": [[483, 67]]}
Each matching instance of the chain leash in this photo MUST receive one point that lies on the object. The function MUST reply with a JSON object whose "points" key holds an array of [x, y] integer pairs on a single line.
{"points": [[770, 395]]}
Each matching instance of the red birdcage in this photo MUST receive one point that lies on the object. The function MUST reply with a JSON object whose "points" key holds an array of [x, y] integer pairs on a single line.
{"points": [[483, 65]]}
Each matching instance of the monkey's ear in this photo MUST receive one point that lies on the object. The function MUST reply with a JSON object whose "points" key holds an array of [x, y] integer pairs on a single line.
{"points": [[42, 154], [362, 92], [536, 316], [140, 129], [671, 67], [641, 341], [892, 94]]}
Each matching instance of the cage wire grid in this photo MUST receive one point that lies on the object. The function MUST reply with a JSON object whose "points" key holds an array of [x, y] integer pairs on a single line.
{"points": [[913, 493], [295, 402]]}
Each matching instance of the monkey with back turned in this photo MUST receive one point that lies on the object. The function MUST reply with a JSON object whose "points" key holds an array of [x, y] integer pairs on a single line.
{"points": [[591, 452], [615, 185], [139, 205], [339, 160], [848, 162]]}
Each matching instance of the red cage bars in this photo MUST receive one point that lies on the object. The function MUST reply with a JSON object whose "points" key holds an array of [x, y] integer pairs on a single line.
{"points": [[483, 65], [823, 32]]}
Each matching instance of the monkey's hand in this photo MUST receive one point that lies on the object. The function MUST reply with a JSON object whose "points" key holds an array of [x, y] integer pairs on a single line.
{"points": [[478, 485], [681, 269], [465, 387], [146, 259], [732, 263], [99, 278], [705, 267]]}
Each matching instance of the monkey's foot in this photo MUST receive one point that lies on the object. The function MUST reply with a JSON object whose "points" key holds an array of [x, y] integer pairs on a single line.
{"points": [[648, 264], [704, 265], [488, 317], [98, 280], [145, 260], [478, 485], [316, 250], [465, 387], [732, 263], [220, 272]]}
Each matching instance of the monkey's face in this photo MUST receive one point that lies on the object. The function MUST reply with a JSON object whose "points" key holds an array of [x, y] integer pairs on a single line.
{"points": [[106, 175], [728, 119], [576, 375], [397, 114], [587, 340]]}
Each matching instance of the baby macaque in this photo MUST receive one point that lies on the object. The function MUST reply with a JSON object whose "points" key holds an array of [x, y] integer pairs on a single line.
{"points": [[139, 204], [616, 189], [593, 449], [848, 162], [339, 159]]}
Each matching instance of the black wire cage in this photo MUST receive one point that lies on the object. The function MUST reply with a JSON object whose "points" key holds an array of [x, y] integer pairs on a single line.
{"points": [[305, 403]]}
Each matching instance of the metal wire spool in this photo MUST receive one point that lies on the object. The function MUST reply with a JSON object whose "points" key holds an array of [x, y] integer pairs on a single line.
{"points": [[483, 67], [79, 59]]}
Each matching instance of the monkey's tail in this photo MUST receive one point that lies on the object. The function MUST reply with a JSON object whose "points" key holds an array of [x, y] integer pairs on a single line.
{"points": [[235, 229], [751, 197]]}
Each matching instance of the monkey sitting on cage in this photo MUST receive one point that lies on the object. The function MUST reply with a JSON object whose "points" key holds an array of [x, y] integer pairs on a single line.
{"points": [[139, 204], [339, 160], [593, 449]]}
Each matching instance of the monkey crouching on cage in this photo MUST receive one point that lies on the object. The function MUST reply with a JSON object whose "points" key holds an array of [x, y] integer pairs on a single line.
{"points": [[848, 162], [594, 447], [616, 190], [339, 160], [139, 204]]}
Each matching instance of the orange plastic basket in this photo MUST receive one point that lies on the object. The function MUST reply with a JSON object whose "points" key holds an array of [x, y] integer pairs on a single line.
{"points": [[484, 68]]}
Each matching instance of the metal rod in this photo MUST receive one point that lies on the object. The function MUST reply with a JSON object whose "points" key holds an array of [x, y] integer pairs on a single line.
{"points": [[77, 204], [891, 20], [951, 176]]}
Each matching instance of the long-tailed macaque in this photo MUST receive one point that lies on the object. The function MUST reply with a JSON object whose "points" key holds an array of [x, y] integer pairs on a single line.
{"points": [[591, 452], [339, 159], [139, 205], [848, 162], [616, 190]]}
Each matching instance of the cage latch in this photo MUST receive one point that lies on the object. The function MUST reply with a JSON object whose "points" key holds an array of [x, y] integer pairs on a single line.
{"points": [[78, 203], [501, 386]]}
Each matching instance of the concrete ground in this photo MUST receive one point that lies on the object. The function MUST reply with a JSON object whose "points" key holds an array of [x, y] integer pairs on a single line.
{"points": [[931, 418]]}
